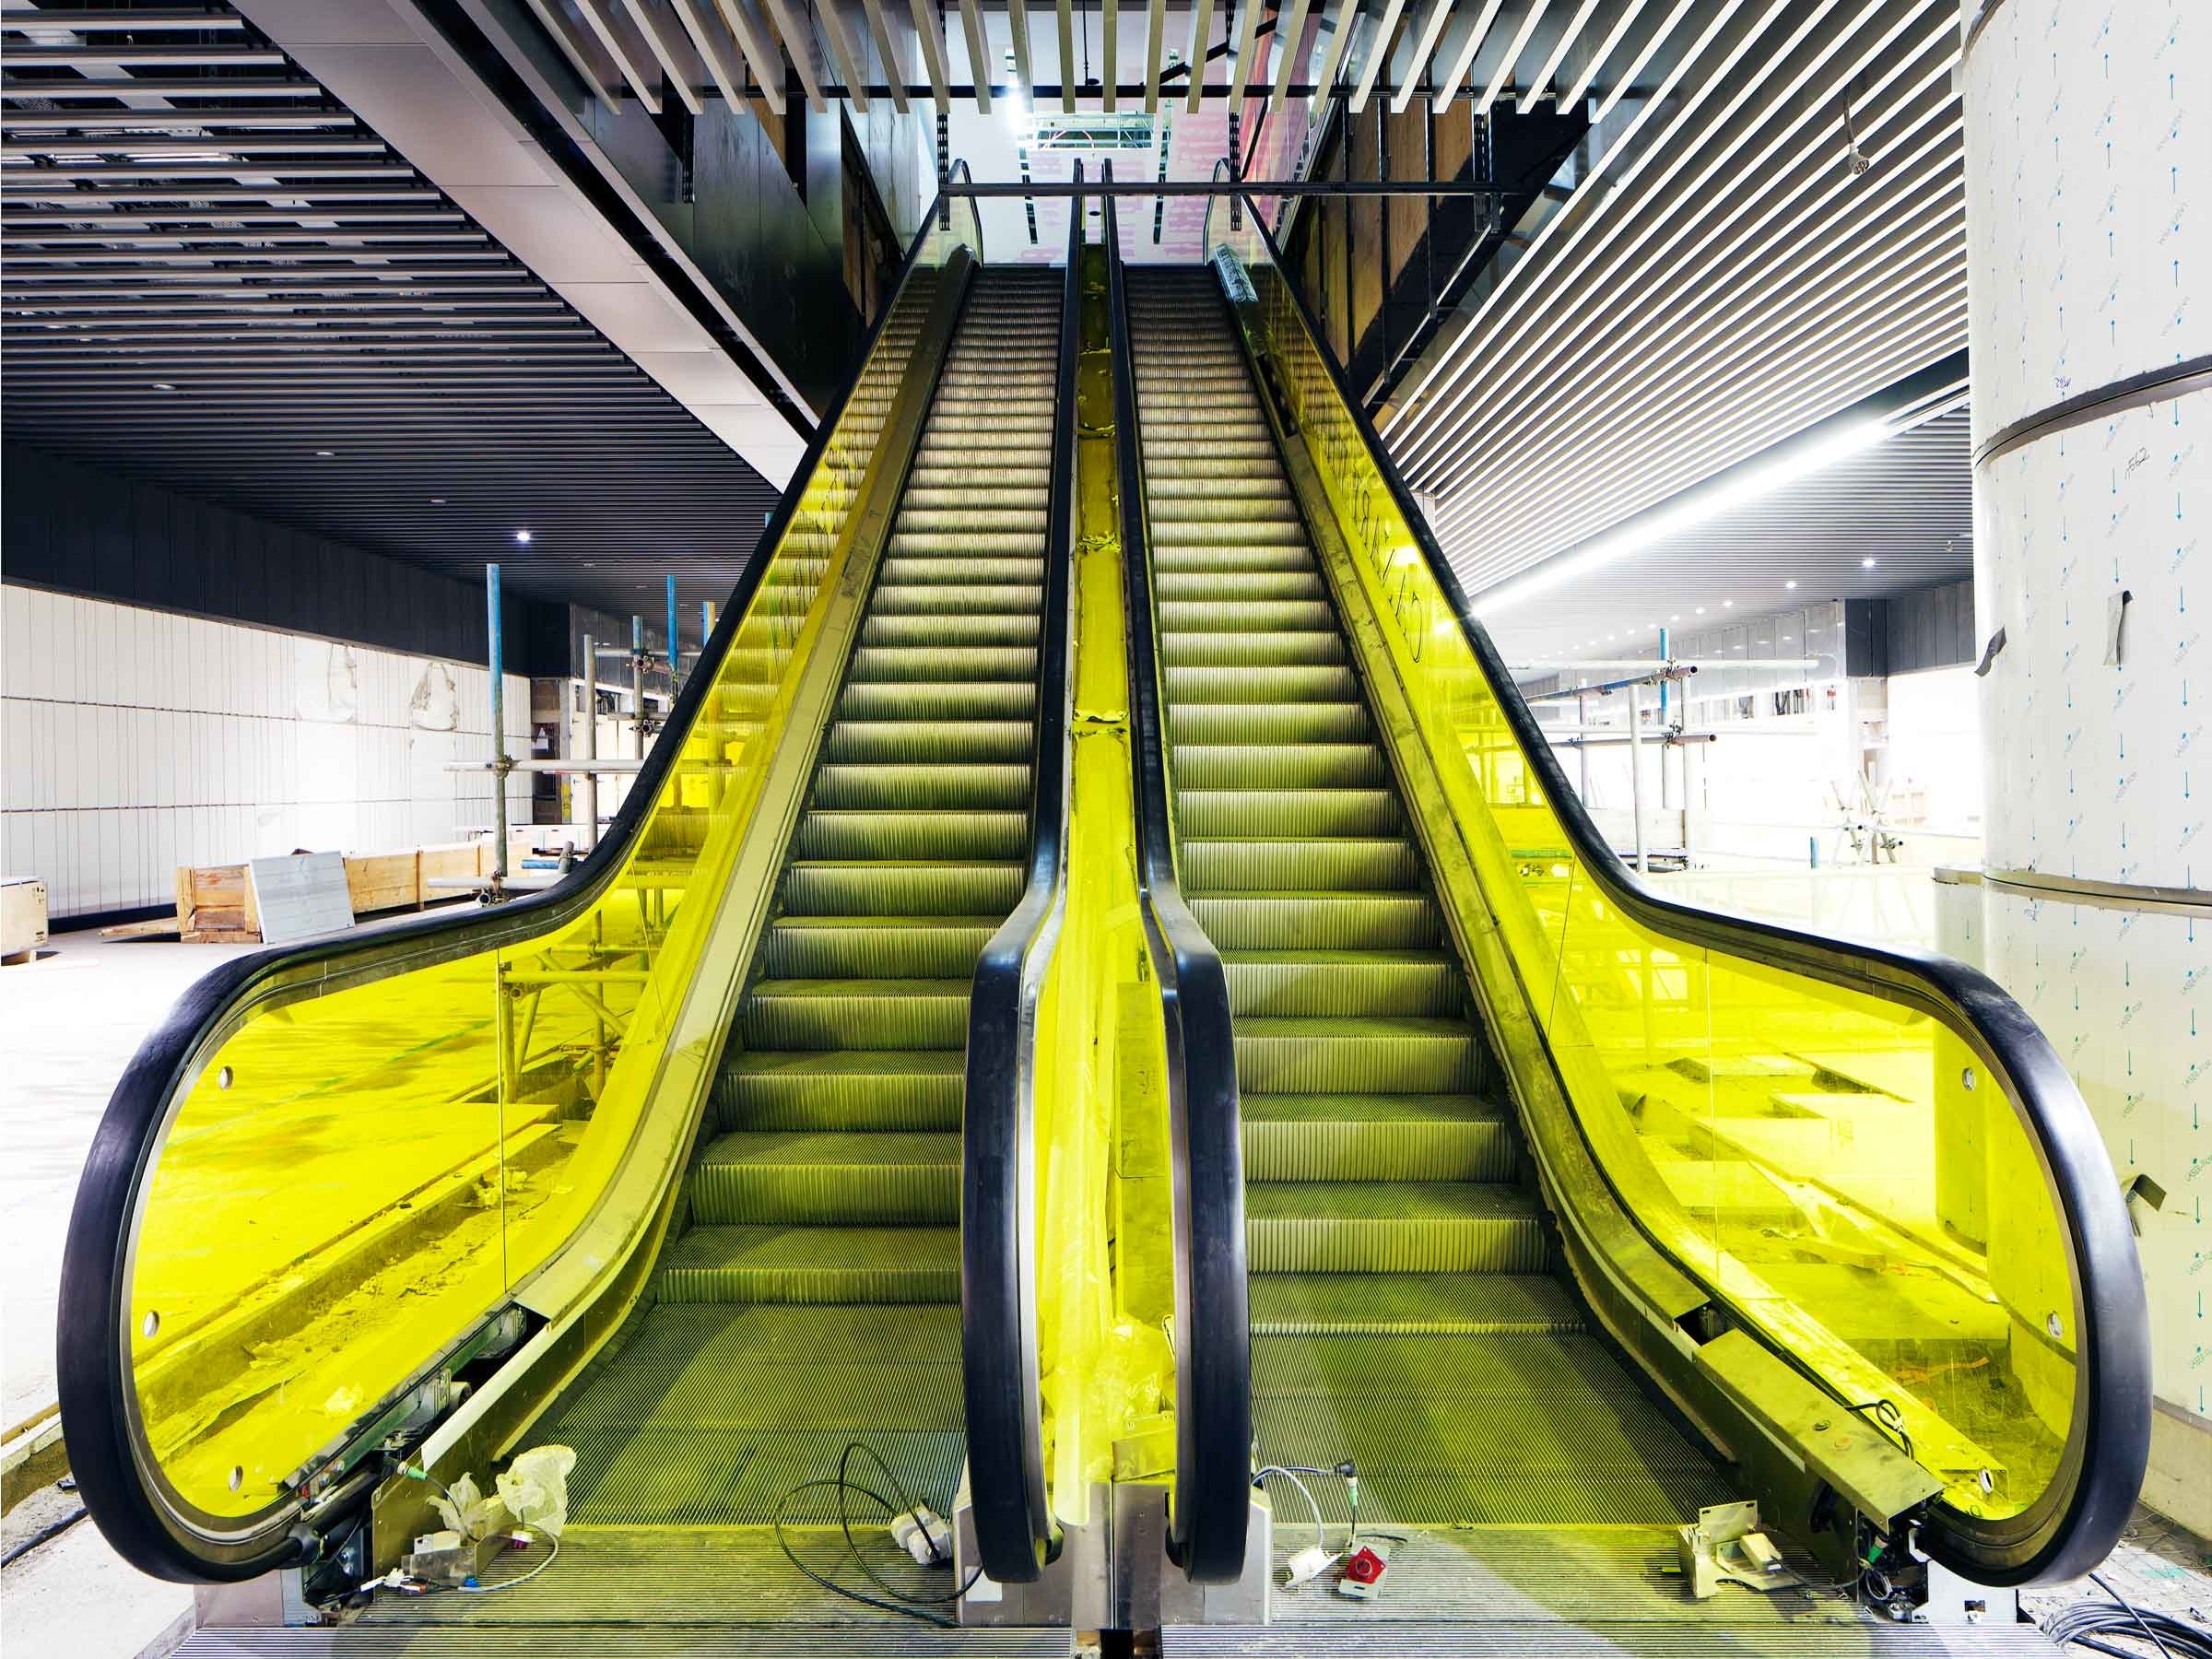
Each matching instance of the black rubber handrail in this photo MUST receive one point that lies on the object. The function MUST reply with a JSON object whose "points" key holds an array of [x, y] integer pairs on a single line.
{"points": [[2074, 1523], [93, 1374], [1209, 1521], [1013, 1533]]}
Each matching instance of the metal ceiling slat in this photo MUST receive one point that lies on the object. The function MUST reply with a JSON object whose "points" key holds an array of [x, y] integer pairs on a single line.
{"points": [[1377, 55], [880, 27], [104, 57], [927, 25], [761, 50], [1340, 38], [152, 20], [13, 178], [629, 55], [194, 120], [1193, 57], [667, 50], [798, 48], [717, 51], [1502, 76], [70, 91], [979, 53], [1018, 31], [1155, 49], [1463, 59], [1593, 65], [574, 47], [851, 66], [1111, 54], [1068, 56], [1539, 84], [1290, 33], [1688, 141], [142, 147], [1248, 46], [1424, 47], [1630, 77]]}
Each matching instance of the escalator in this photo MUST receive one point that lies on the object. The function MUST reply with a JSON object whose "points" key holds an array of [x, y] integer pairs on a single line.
{"points": [[1405, 1308], [814, 1295], [663, 1165]]}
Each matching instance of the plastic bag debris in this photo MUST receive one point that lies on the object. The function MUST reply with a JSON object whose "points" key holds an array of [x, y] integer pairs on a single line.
{"points": [[471, 1513], [536, 1488]]}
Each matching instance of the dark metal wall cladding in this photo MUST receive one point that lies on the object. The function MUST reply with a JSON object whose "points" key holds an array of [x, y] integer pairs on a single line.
{"points": [[80, 531], [241, 237], [1932, 628]]}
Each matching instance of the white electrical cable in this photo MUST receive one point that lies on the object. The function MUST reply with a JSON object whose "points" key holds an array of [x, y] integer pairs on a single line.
{"points": [[552, 1553], [1320, 1542]]}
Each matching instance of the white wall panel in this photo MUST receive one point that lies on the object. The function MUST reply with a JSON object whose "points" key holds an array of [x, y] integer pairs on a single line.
{"points": [[135, 741]]}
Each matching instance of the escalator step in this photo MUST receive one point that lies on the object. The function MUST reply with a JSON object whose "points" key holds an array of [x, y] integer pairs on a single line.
{"points": [[924, 663], [1390, 1226], [1319, 922], [1342, 865], [1324, 986], [969, 835], [1233, 586], [1445, 1304], [940, 742], [998, 574], [1322, 647], [858, 948], [833, 888], [943, 786], [1390, 1055], [1315, 813], [1281, 766], [955, 598], [1258, 684], [798, 1178], [1376, 1137], [812, 1265], [1264, 722], [939, 700], [859, 1090], [856, 1014], [947, 632]]}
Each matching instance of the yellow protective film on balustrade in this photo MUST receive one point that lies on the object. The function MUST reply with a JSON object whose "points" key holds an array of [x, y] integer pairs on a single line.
{"points": [[367, 1161], [1837, 1167]]}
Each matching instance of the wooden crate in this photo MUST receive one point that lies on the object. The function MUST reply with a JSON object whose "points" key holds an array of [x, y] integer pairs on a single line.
{"points": [[215, 903]]}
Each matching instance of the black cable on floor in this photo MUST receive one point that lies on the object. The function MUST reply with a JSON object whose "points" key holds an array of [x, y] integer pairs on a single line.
{"points": [[893, 1599], [2086, 1623], [45, 1535]]}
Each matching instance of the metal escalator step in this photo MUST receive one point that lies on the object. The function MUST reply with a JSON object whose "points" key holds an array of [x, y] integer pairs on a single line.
{"points": [[944, 785], [1391, 1304], [1196, 535], [857, 1090], [811, 1265], [941, 742], [1221, 459], [1250, 684], [856, 1014], [1265, 723], [828, 888], [938, 700], [1210, 867], [1385, 1056], [996, 572], [1286, 555], [990, 509], [1390, 1226], [911, 663], [1245, 616], [959, 599], [965, 543], [1319, 922], [1311, 985], [1280, 766], [1235, 587], [1227, 814], [792, 1178], [965, 834], [942, 633], [1376, 1137], [1256, 484], [949, 486], [853, 947], [1311, 649]]}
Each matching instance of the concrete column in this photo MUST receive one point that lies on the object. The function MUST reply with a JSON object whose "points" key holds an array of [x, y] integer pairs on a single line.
{"points": [[2088, 176]]}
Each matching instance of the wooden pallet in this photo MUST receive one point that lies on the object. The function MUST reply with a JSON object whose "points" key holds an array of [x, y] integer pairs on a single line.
{"points": [[215, 903]]}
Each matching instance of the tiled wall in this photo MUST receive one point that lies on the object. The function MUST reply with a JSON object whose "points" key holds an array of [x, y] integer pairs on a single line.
{"points": [[133, 741]]}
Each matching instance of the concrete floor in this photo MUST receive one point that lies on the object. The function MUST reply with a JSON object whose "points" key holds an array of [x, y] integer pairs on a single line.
{"points": [[69, 1023]]}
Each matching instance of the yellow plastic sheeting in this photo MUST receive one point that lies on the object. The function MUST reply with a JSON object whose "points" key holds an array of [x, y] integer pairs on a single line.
{"points": [[1829, 1164], [355, 1174], [1102, 1118]]}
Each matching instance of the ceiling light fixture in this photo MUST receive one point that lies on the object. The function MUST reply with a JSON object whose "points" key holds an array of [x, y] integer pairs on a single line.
{"points": [[1656, 526], [163, 386], [327, 454], [1867, 564], [1789, 585], [521, 538]]}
